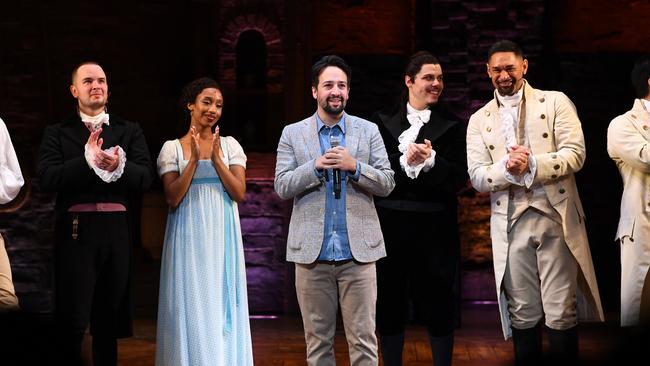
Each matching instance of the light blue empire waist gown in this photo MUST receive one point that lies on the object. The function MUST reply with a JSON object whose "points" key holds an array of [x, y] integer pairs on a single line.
{"points": [[203, 305]]}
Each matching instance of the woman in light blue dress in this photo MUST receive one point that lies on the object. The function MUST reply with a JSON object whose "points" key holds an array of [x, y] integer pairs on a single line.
{"points": [[203, 306]]}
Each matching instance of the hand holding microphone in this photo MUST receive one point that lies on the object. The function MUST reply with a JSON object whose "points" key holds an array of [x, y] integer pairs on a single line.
{"points": [[335, 141], [338, 159]]}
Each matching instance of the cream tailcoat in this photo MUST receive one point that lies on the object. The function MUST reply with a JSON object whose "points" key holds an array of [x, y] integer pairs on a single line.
{"points": [[628, 144], [556, 140]]}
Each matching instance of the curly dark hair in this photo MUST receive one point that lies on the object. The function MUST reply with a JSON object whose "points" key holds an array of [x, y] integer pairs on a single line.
{"points": [[191, 91]]}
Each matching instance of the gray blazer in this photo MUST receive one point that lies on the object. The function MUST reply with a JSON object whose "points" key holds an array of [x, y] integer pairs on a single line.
{"points": [[295, 178]]}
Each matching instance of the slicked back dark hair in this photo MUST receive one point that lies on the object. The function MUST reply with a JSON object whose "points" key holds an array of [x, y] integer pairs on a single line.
{"points": [[417, 60], [326, 61], [640, 75], [73, 74], [191, 91], [505, 46]]}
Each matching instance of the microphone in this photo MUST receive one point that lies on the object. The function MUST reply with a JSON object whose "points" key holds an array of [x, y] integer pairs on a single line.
{"points": [[336, 173]]}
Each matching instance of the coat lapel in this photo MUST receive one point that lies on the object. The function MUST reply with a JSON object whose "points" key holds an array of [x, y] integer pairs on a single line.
{"points": [[396, 124], [641, 119], [436, 127], [351, 135], [536, 119], [112, 134], [75, 131], [492, 128], [310, 137]]}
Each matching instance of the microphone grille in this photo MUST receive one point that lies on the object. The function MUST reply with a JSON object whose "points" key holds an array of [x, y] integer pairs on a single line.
{"points": [[335, 140]]}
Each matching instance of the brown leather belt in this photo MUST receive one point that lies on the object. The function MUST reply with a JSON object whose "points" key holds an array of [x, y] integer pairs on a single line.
{"points": [[97, 207]]}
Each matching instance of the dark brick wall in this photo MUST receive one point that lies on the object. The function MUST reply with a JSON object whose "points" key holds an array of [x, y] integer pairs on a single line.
{"points": [[589, 26], [362, 27], [463, 31], [264, 223]]}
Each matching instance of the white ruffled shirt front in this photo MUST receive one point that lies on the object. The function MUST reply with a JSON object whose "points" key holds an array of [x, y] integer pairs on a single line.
{"points": [[93, 123], [11, 179], [417, 119], [509, 115]]}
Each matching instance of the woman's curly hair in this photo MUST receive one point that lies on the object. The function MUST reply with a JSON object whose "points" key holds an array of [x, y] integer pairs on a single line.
{"points": [[191, 91]]}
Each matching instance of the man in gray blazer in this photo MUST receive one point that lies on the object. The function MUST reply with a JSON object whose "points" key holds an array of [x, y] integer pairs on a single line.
{"points": [[332, 164]]}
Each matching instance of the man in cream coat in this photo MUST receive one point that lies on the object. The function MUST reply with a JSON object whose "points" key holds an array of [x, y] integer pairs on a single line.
{"points": [[11, 179], [524, 147], [628, 138], [334, 234]]}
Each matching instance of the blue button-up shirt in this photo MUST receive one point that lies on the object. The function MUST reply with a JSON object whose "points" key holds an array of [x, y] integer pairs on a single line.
{"points": [[336, 244]]}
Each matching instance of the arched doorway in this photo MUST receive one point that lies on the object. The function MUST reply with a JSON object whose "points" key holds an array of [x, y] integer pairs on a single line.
{"points": [[251, 60], [251, 88]]}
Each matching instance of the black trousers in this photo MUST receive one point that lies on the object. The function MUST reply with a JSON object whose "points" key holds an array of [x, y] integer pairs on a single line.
{"points": [[92, 279], [421, 269]]}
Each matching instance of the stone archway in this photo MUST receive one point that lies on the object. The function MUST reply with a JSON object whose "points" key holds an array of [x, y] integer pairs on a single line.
{"points": [[274, 55]]}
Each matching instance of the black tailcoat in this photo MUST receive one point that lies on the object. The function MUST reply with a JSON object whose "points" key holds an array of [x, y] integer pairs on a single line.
{"points": [[419, 221]]}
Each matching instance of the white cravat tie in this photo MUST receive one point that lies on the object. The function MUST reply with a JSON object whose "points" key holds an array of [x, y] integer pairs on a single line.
{"points": [[508, 114], [417, 119], [94, 122]]}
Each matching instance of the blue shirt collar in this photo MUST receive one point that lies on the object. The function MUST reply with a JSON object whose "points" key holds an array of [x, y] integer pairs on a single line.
{"points": [[340, 123]]}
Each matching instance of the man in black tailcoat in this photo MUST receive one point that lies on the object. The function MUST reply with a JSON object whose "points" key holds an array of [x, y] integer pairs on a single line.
{"points": [[98, 192], [426, 149]]}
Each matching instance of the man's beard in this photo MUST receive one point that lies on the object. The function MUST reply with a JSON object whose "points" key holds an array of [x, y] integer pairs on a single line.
{"points": [[508, 90], [334, 111]]}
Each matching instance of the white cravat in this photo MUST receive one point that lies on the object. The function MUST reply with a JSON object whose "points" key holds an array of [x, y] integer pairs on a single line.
{"points": [[417, 119], [509, 115], [94, 122]]}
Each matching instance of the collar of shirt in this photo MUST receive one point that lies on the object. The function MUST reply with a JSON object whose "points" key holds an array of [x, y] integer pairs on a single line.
{"points": [[340, 123], [412, 114], [94, 122], [646, 104], [510, 101]]}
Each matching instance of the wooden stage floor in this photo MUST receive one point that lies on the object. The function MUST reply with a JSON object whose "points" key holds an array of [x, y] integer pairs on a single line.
{"points": [[280, 342]]}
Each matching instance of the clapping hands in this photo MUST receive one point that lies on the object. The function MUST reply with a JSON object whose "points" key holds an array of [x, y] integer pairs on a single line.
{"points": [[106, 160], [517, 163], [418, 153]]}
